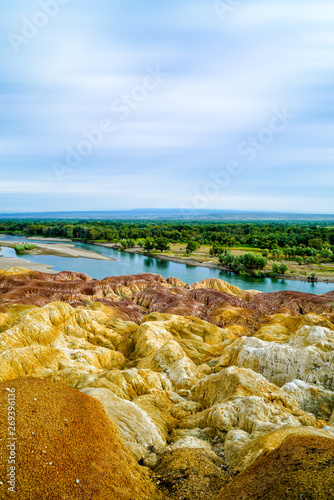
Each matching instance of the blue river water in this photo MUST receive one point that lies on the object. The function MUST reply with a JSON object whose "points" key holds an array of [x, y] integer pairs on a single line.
{"points": [[129, 263]]}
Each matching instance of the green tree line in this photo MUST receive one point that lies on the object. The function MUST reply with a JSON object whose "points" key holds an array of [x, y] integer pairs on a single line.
{"points": [[277, 239]]}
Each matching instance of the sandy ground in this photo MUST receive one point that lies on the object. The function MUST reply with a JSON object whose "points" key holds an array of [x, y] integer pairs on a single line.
{"points": [[66, 250], [41, 238], [8, 262], [48, 239], [60, 250]]}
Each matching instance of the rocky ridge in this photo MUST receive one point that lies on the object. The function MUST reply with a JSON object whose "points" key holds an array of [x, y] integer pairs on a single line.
{"points": [[201, 381]]}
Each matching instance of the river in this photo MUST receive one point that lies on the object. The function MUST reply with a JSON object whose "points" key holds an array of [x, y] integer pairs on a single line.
{"points": [[130, 263]]}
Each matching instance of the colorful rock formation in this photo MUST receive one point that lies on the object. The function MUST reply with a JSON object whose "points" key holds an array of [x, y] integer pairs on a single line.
{"points": [[203, 381]]}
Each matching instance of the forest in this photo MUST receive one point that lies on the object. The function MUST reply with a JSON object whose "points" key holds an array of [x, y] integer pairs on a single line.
{"points": [[289, 238]]}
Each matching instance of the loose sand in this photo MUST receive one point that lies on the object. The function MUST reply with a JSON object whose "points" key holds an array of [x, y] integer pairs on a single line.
{"points": [[60, 250]]}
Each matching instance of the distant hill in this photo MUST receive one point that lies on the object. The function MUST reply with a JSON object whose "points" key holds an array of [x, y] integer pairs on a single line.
{"points": [[171, 214]]}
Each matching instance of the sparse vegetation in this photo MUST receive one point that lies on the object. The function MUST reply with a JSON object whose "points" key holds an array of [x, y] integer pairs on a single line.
{"points": [[24, 248]]}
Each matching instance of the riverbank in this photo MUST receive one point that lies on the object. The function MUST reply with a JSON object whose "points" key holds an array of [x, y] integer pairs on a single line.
{"points": [[211, 265], [185, 267], [61, 240], [59, 250]]}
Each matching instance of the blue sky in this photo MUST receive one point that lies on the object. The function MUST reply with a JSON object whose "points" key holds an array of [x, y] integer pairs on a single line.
{"points": [[224, 73]]}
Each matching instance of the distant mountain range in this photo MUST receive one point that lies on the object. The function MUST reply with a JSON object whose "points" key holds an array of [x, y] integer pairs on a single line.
{"points": [[171, 214]]}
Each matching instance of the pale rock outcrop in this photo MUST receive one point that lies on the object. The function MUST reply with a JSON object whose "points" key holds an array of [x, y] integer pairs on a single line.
{"points": [[280, 327], [235, 383], [253, 415], [242, 405], [311, 398], [148, 338], [238, 398], [128, 384], [173, 361], [191, 442], [160, 409], [136, 427], [189, 439], [56, 364], [176, 282], [308, 355]]}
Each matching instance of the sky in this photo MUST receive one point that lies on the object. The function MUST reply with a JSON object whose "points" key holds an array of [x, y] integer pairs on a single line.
{"points": [[120, 104]]}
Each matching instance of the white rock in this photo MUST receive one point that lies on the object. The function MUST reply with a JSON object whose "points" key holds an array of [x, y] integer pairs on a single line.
{"points": [[138, 430], [172, 360], [307, 356]]}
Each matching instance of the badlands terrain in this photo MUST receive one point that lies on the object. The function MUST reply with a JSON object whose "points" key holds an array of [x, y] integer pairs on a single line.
{"points": [[142, 388]]}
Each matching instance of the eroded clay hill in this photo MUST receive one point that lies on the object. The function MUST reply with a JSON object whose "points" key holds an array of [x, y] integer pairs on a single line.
{"points": [[209, 386]]}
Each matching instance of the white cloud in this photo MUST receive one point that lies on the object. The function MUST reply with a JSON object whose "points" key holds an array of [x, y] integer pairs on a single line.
{"points": [[225, 77]]}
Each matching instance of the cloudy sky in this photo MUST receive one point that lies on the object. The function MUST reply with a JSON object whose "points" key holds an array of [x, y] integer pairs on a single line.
{"points": [[111, 104]]}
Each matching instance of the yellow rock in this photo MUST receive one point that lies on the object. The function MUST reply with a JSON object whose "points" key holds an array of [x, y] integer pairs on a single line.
{"points": [[280, 327], [223, 286], [190, 328], [241, 451], [238, 320], [173, 361], [238, 398], [199, 339], [237, 383], [159, 408], [172, 381], [14, 270], [127, 384]]}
